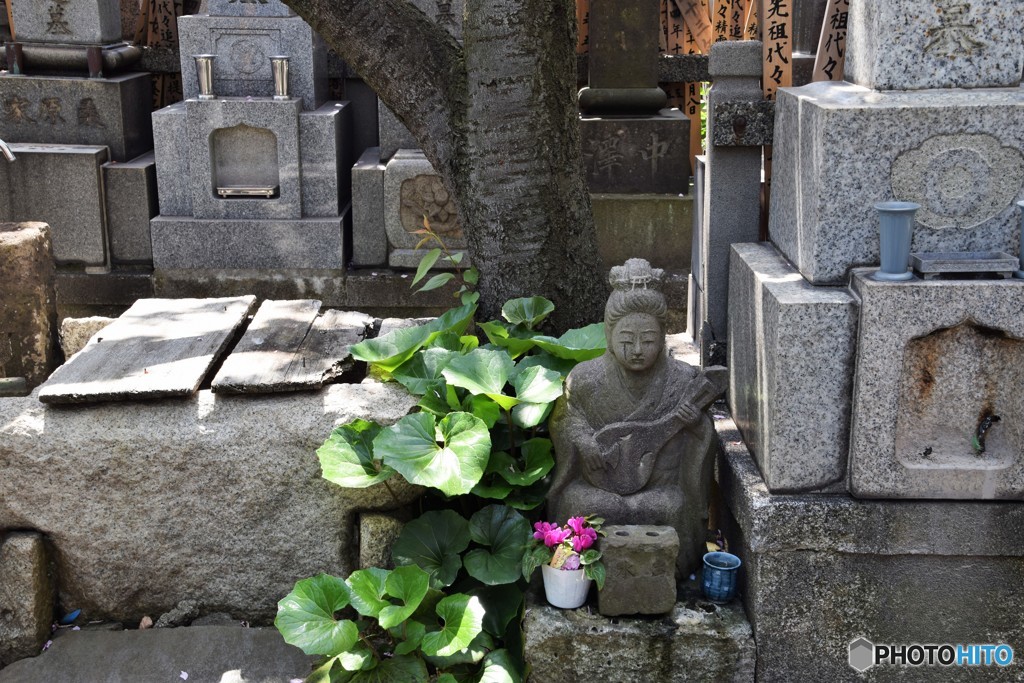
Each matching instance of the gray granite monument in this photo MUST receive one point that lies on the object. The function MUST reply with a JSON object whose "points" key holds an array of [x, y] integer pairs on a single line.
{"points": [[633, 442]]}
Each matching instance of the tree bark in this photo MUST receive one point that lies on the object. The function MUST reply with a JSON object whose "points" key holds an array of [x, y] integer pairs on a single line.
{"points": [[497, 117]]}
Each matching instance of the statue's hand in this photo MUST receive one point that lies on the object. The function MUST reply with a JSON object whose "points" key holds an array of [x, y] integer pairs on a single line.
{"points": [[590, 453], [687, 414]]}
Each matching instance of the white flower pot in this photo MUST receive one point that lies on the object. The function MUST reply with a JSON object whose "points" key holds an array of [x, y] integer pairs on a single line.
{"points": [[565, 589]]}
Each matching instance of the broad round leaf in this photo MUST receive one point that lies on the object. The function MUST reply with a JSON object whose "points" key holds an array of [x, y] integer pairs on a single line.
{"points": [[356, 659], [529, 415], [471, 654], [423, 370], [483, 371], [484, 408], [501, 605], [433, 542], [527, 311], [499, 667], [545, 360], [499, 334], [505, 532], [537, 385], [305, 617], [413, 632], [404, 668], [454, 466], [366, 590], [408, 584], [535, 462], [346, 458], [393, 349], [580, 344], [463, 620]]}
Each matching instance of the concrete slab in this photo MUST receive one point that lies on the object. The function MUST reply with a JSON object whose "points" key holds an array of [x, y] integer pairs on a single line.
{"points": [[207, 654]]}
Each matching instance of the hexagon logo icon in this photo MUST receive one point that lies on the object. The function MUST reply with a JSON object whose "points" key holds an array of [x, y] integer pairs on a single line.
{"points": [[862, 654]]}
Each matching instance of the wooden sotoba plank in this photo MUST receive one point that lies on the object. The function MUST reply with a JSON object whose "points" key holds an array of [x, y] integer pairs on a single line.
{"points": [[157, 348]]}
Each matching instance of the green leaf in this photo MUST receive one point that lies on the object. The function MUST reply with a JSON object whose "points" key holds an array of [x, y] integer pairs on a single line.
{"points": [[596, 572], [305, 617], [499, 667], [436, 282], [405, 668], [366, 590], [322, 674], [457, 257], [492, 486], [408, 584], [433, 542], [501, 605], [516, 342], [471, 654], [423, 370], [472, 276], [393, 349], [463, 620], [484, 408], [426, 263], [469, 298], [504, 533], [534, 557], [482, 371], [454, 467], [580, 344], [528, 498], [447, 678], [414, 632], [537, 385], [537, 462], [357, 659], [545, 360], [346, 458], [527, 311], [529, 415], [435, 399]]}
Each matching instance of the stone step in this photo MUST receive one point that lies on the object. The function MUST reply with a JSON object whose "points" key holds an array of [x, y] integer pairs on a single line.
{"points": [[205, 654]]}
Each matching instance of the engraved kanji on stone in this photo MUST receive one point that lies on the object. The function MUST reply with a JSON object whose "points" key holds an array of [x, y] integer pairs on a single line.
{"points": [[50, 109], [16, 110], [606, 155], [654, 151], [445, 16], [954, 35], [89, 114], [58, 22]]}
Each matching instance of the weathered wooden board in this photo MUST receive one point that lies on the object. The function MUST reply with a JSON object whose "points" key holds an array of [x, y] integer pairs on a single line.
{"points": [[288, 348], [157, 348]]}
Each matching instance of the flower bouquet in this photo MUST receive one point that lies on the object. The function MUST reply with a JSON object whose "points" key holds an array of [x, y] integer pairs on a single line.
{"points": [[567, 558]]}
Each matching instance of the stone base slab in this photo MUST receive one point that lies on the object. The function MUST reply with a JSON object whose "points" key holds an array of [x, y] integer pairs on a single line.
{"points": [[697, 641], [637, 154], [791, 360], [112, 112], [656, 227], [244, 244], [821, 570], [910, 146]]}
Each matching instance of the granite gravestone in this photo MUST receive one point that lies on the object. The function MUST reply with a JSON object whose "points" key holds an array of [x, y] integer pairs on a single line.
{"points": [[633, 442]]}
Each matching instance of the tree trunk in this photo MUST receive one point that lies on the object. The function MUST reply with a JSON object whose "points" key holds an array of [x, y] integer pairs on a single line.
{"points": [[497, 117]]}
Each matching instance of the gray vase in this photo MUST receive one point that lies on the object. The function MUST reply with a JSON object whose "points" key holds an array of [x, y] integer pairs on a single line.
{"points": [[896, 226], [1020, 253]]}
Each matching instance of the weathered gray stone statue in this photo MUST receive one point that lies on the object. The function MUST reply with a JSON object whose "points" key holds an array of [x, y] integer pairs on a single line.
{"points": [[632, 441]]}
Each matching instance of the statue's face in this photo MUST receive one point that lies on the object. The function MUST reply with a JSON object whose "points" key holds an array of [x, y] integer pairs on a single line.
{"points": [[637, 341]]}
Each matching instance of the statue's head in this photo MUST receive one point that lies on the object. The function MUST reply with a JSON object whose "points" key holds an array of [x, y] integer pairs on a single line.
{"points": [[635, 315]]}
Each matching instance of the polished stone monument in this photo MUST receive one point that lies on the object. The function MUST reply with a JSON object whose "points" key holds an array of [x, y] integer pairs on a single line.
{"points": [[633, 442]]}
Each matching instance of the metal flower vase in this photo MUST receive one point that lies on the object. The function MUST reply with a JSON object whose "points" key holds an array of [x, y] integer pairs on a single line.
{"points": [[896, 227], [565, 588], [720, 571], [1020, 254]]}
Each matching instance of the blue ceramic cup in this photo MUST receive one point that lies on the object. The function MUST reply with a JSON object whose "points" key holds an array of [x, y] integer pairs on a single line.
{"points": [[720, 570]]}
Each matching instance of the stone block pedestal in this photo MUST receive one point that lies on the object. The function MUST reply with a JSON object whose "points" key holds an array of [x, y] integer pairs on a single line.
{"points": [[26, 596], [655, 227], [28, 314]]}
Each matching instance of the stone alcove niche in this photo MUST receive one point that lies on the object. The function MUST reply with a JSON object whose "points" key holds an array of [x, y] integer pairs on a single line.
{"points": [[244, 162], [953, 379]]}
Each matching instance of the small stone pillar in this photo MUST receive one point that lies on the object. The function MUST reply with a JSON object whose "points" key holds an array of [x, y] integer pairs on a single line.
{"points": [[377, 533], [28, 310], [732, 196], [26, 596], [640, 561]]}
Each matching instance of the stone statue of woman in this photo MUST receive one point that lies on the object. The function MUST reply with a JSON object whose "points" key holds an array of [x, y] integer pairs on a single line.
{"points": [[633, 443]]}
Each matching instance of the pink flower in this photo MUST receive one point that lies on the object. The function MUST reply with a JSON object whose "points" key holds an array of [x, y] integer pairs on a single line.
{"points": [[542, 528], [549, 533], [584, 540], [571, 563], [577, 524]]}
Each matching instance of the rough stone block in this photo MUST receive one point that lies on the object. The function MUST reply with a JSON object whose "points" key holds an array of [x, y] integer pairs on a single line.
{"points": [[821, 570], [244, 46], [28, 314], [75, 333], [644, 154], [698, 641], [369, 239], [174, 188], [239, 244], [26, 596], [791, 361], [260, 499], [392, 133], [61, 185], [130, 197], [112, 112], [641, 570], [936, 359], [325, 157], [69, 21], [958, 153], [653, 227], [907, 45], [413, 189], [235, 142], [377, 533], [241, 8]]}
